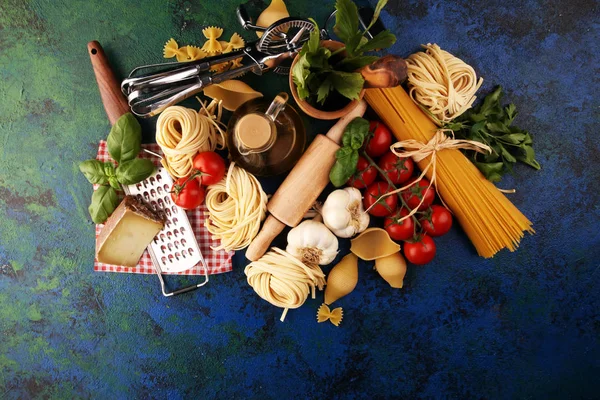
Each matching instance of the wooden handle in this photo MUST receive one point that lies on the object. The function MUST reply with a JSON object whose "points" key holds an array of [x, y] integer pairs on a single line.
{"points": [[110, 88], [388, 71], [337, 131], [270, 229]]}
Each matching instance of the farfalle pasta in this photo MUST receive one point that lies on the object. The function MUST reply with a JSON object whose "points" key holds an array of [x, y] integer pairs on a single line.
{"points": [[212, 45], [334, 316]]}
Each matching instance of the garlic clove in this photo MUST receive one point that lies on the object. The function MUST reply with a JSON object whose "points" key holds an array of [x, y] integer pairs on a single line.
{"points": [[342, 279], [373, 243], [392, 268]]}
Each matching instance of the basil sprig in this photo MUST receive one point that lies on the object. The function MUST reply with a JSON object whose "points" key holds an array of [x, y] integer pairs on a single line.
{"points": [[346, 158], [491, 123], [124, 145]]}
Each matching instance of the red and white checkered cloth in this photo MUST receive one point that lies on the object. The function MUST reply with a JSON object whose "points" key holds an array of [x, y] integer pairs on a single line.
{"points": [[217, 261]]}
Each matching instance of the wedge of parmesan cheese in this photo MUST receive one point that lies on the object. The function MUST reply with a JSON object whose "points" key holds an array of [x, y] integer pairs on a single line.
{"points": [[127, 233]]}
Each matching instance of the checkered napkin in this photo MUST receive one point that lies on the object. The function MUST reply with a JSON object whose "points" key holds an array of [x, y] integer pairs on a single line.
{"points": [[217, 261]]}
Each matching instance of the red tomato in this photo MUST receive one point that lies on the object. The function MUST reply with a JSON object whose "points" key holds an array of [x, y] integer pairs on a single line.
{"points": [[380, 139], [437, 221], [187, 193], [398, 170], [403, 230], [365, 174], [211, 167], [420, 251], [413, 195], [383, 207]]}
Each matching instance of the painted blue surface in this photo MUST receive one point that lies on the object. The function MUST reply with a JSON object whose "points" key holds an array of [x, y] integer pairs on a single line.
{"points": [[521, 325]]}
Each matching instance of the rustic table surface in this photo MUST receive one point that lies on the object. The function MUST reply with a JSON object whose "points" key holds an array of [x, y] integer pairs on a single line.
{"points": [[521, 325]]}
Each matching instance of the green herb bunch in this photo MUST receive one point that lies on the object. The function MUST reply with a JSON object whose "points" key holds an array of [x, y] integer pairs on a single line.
{"points": [[491, 124], [124, 144], [317, 72]]}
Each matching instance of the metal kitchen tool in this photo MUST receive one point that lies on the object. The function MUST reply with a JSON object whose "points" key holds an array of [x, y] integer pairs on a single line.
{"points": [[174, 249], [152, 88]]}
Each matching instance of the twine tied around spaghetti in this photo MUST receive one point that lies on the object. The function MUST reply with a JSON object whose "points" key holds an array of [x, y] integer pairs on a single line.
{"points": [[419, 151]]}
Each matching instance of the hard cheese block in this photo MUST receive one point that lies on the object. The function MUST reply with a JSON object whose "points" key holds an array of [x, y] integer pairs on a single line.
{"points": [[127, 233]]}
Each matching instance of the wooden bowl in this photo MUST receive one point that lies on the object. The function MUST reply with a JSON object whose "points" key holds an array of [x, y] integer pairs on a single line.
{"points": [[315, 112]]}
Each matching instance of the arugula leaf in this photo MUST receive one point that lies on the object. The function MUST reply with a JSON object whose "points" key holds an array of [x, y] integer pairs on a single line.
{"points": [[134, 171], [93, 170], [346, 20], [104, 202], [382, 40], [491, 124], [124, 141], [348, 84]]}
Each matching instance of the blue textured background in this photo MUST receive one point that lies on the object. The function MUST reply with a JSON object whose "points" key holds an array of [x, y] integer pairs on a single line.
{"points": [[522, 325]]}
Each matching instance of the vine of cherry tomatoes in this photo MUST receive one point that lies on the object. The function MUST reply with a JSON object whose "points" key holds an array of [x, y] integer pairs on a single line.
{"points": [[380, 171], [189, 192]]}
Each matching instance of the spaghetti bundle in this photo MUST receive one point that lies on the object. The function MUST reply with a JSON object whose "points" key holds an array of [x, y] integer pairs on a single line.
{"points": [[236, 207], [441, 82], [283, 280], [183, 132], [490, 220]]}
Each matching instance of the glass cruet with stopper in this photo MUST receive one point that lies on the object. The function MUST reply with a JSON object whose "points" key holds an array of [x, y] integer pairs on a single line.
{"points": [[266, 138]]}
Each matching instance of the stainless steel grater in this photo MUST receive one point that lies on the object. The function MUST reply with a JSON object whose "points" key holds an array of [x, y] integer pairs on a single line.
{"points": [[174, 249]]}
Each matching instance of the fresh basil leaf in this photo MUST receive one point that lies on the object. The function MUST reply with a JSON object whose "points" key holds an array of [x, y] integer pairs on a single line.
{"points": [[114, 183], [93, 170], [104, 202], [382, 40], [109, 169], [125, 139], [323, 91], [344, 167], [346, 20], [351, 64], [348, 84], [376, 12], [355, 133], [134, 171]]}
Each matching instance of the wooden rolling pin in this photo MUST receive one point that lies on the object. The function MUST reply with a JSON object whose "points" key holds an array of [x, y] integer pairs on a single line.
{"points": [[302, 186], [113, 100]]}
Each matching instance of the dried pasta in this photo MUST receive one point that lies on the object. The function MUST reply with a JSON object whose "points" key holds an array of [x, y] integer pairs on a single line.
{"points": [[236, 207], [441, 82], [276, 11], [231, 93], [334, 316], [212, 45], [183, 132], [489, 219], [283, 280]]}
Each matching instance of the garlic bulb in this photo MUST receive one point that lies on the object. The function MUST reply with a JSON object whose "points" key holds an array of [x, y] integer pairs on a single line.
{"points": [[344, 214], [312, 243]]}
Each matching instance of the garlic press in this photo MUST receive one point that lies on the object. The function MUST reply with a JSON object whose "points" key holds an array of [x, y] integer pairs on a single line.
{"points": [[152, 88]]}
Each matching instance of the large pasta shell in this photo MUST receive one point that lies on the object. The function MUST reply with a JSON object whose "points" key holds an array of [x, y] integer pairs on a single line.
{"points": [[392, 268], [276, 11], [373, 243], [342, 279], [232, 93]]}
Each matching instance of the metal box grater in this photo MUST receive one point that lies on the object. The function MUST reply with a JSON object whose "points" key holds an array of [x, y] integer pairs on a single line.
{"points": [[174, 249]]}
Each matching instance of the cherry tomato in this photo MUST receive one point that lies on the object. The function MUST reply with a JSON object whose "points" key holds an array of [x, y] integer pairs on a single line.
{"points": [[403, 230], [437, 221], [365, 174], [380, 139], [187, 193], [420, 251], [413, 195], [397, 169], [383, 207], [211, 167]]}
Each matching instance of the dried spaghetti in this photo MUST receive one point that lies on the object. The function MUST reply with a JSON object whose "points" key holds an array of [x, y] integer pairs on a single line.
{"points": [[236, 207], [441, 82], [283, 280], [183, 132], [490, 220]]}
